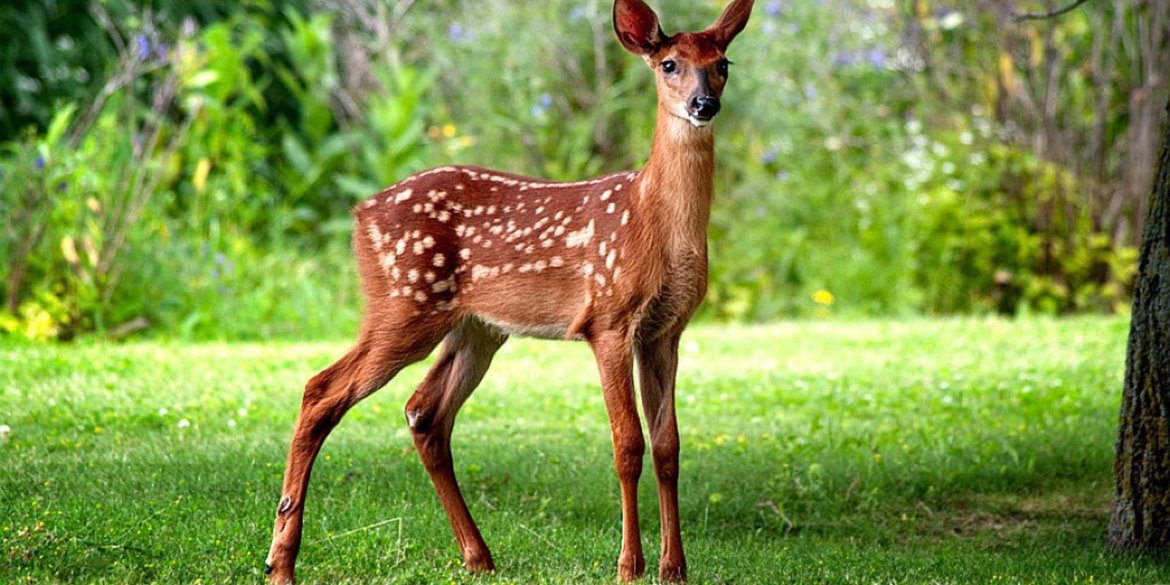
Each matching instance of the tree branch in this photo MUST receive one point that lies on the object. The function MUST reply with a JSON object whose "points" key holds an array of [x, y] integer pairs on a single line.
{"points": [[1052, 14]]}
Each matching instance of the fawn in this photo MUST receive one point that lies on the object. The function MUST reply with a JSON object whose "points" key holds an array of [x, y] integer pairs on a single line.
{"points": [[468, 256]]}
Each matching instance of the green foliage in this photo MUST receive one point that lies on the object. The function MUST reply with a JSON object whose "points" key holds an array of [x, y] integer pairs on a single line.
{"points": [[1004, 231], [852, 180], [946, 451]]}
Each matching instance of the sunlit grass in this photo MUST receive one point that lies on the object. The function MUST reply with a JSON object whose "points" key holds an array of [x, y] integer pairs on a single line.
{"points": [[967, 451]]}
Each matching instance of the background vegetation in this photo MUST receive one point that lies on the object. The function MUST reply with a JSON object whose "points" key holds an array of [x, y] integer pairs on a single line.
{"points": [[187, 167]]}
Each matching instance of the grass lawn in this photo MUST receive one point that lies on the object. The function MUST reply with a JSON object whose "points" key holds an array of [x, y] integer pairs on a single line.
{"points": [[958, 451]]}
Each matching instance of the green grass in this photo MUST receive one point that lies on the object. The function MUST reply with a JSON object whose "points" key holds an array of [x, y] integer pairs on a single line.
{"points": [[966, 451]]}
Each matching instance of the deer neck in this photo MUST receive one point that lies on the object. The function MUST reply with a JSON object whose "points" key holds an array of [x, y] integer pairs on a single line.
{"points": [[677, 183]]}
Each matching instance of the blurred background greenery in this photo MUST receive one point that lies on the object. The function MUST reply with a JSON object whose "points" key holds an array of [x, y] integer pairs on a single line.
{"points": [[185, 168]]}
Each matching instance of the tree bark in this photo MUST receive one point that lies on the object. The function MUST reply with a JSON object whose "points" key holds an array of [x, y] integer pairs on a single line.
{"points": [[1141, 511]]}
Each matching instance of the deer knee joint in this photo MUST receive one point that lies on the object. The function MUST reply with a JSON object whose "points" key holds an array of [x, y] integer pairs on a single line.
{"points": [[421, 420], [666, 462], [628, 454]]}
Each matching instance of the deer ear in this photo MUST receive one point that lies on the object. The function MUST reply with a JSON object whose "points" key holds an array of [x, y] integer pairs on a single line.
{"points": [[637, 27], [731, 22]]}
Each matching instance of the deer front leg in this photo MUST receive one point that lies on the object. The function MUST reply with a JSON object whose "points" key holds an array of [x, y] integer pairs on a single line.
{"points": [[657, 366], [615, 362]]}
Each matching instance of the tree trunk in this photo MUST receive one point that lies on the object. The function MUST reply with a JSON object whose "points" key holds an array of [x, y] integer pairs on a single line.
{"points": [[1141, 511]]}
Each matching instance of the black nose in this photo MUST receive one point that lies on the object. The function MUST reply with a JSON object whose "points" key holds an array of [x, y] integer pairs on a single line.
{"points": [[704, 107]]}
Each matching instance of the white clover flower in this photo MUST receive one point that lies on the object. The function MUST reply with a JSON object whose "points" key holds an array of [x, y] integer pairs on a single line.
{"points": [[162, 411], [231, 422], [184, 423], [242, 412], [5, 430]]}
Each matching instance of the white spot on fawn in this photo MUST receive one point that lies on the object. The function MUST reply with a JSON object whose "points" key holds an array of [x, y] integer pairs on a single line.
{"points": [[439, 260], [403, 196], [375, 236], [605, 194], [580, 237], [625, 217], [610, 208], [420, 296], [465, 253], [609, 260], [556, 262], [412, 276]]}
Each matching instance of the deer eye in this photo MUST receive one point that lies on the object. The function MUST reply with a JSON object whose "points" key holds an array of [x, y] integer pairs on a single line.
{"points": [[721, 66], [669, 66]]}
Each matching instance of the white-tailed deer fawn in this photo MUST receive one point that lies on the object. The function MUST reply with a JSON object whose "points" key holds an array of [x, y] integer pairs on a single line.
{"points": [[469, 256]]}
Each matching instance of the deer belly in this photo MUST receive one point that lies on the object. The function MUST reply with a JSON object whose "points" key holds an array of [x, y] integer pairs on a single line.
{"points": [[541, 307]]}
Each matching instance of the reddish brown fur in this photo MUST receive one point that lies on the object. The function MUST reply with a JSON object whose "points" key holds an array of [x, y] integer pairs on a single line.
{"points": [[468, 256]]}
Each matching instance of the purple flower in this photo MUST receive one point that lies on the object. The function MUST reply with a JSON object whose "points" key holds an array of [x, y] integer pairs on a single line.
{"points": [[769, 157], [772, 8], [810, 92], [577, 13], [844, 59], [62, 186], [40, 162], [456, 32], [781, 175], [877, 58], [143, 47], [541, 107]]}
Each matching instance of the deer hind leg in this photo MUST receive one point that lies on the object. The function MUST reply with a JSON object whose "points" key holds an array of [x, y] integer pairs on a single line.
{"points": [[381, 352], [657, 366], [615, 363], [464, 358]]}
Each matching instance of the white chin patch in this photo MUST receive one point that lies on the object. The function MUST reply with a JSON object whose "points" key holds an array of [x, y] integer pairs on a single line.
{"points": [[698, 123]]}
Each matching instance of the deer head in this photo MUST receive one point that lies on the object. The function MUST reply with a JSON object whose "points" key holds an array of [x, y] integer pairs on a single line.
{"points": [[691, 69]]}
